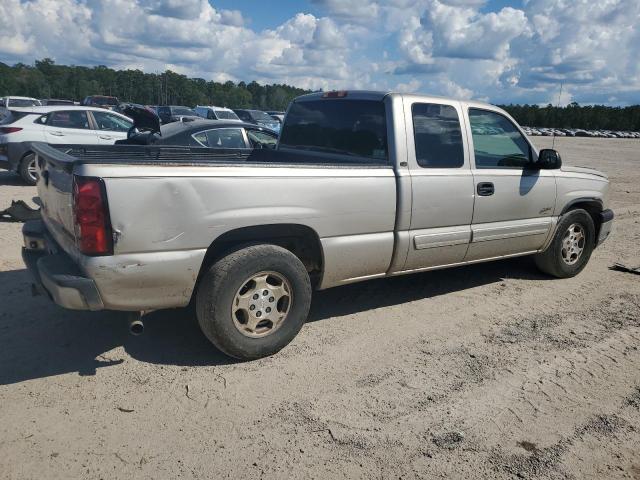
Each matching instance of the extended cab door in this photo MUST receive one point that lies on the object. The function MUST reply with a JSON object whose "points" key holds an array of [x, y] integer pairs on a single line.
{"points": [[69, 126], [514, 202], [441, 183]]}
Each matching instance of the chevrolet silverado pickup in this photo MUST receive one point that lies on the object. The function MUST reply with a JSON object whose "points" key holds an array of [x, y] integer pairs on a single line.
{"points": [[361, 185]]}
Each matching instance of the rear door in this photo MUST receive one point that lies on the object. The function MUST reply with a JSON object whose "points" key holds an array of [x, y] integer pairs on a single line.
{"points": [[441, 183], [110, 127], [514, 203], [69, 126]]}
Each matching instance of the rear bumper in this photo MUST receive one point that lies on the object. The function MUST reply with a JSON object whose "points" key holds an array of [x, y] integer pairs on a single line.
{"points": [[606, 224], [54, 272]]}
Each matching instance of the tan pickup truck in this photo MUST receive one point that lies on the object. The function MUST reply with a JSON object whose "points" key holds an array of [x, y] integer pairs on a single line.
{"points": [[361, 185]]}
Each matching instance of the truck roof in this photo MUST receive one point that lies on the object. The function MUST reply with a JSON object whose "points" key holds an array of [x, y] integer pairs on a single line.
{"points": [[380, 94]]}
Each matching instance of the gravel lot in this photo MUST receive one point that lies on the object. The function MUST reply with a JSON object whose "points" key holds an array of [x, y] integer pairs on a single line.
{"points": [[488, 371]]}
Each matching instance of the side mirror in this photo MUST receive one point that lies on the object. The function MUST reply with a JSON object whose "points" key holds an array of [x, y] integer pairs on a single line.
{"points": [[549, 159]]}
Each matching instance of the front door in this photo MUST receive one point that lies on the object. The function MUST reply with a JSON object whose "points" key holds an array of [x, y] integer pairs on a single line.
{"points": [[441, 184], [110, 127], [514, 202]]}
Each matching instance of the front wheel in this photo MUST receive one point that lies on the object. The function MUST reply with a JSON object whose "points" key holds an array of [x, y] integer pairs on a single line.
{"points": [[254, 301], [571, 246], [27, 169]]}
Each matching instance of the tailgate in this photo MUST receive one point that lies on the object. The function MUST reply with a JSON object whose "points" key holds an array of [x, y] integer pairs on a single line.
{"points": [[55, 189]]}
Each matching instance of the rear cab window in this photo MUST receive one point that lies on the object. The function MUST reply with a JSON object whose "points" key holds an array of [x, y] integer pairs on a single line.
{"points": [[351, 128]]}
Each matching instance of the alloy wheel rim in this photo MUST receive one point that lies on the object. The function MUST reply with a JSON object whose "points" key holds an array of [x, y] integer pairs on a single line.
{"points": [[573, 243], [261, 304], [31, 169]]}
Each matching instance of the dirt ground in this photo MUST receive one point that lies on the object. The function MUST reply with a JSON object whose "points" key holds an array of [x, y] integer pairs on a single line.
{"points": [[488, 371]]}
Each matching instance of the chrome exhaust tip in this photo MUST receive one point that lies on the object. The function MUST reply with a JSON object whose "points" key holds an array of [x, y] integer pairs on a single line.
{"points": [[136, 325]]}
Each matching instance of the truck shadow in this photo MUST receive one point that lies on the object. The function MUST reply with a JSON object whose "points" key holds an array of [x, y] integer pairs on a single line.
{"points": [[39, 339], [360, 297], [12, 179]]}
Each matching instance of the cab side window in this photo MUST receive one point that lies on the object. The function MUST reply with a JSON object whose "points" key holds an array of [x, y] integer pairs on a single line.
{"points": [[497, 143], [437, 136]]}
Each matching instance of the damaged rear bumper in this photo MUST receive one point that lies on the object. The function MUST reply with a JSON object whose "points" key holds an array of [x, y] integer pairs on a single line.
{"points": [[54, 272]]}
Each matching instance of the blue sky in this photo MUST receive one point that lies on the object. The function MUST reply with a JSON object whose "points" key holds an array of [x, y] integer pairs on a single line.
{"points": [[495, 50]]}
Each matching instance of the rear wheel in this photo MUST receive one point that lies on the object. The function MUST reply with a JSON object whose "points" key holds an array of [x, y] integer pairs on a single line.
{"points": [[254, 301], [571, 246], [27, 169]]}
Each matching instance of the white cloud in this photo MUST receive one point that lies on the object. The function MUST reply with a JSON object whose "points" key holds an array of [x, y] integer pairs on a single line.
{"points": [[451, 47]]}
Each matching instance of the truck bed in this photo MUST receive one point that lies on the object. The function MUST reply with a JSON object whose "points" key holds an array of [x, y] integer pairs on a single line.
{"points": [[167, 205], [66, 156]]}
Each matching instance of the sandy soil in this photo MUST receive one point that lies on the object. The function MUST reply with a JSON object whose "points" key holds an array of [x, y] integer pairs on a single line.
{"points": [[489, 371]]}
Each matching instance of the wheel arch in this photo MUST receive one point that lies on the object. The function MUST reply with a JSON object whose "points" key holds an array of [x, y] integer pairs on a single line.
{"points": [[301, 240], [592, 205]]}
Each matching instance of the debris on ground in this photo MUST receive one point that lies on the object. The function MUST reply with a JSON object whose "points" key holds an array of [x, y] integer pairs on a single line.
{"points": [[619, 267], [19, 211]]}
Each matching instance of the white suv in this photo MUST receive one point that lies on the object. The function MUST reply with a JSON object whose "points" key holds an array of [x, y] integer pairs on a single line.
{"points": [[56, 124], [20, 102], [217, 113]]}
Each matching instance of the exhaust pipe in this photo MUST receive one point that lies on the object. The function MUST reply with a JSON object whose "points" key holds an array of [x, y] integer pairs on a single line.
{"points": [[136, 326]]}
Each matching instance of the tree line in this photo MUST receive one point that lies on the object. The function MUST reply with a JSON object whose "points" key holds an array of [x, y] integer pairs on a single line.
{"points": [[588, 117], [45, 79]]}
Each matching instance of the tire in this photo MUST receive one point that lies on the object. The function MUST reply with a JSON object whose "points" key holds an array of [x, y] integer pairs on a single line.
{"points": [[233, 281], [557, 260], [26, 169]]}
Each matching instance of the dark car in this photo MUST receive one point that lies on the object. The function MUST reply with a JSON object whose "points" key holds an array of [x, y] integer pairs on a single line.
{"points": [[258, 117], [101, 101], [56, 101], [194, 133], [175, 113]]}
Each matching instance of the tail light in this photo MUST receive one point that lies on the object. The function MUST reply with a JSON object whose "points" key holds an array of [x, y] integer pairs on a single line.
{"points": [[6, 130], [91, 216]]}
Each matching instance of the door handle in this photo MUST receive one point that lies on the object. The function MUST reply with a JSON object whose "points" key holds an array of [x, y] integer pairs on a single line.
{"points": [[485, 189], [105, 137], [57, 134]]}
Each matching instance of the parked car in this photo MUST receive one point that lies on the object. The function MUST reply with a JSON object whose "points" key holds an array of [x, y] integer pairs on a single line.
{"points": [[56, 101], [101, 101], [19, 102], [175, 113], [276, 115], [258, 117], [56, 124], [343, 198], [212, 112], [147, 130]]}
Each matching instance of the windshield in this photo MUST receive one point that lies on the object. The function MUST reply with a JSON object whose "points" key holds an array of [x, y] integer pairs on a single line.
{"points": [[183, 111], [226, 115], [24, 102], [259, 116]]}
